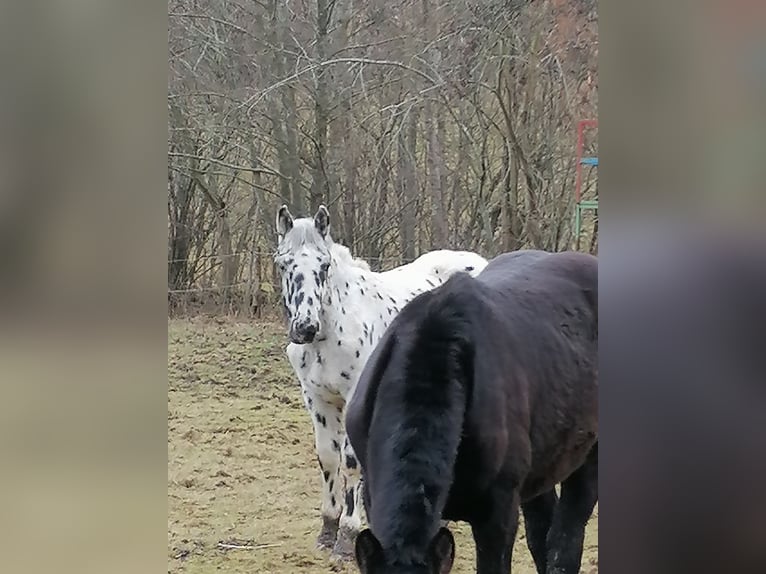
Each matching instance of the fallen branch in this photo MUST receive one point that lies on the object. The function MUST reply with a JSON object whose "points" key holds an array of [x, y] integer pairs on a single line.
{"points": [[227, 546]]}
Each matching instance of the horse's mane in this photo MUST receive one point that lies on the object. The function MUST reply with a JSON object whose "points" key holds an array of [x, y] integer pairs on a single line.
{"points": [[343, 253]]}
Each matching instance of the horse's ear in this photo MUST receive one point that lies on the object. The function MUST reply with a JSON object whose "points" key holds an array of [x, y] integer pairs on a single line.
{"points": [[368, 551], [322, 220], [284, 221], [442, 551]]}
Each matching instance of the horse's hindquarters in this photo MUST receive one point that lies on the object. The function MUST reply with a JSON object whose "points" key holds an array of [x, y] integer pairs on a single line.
{"points": [[557, 468]]}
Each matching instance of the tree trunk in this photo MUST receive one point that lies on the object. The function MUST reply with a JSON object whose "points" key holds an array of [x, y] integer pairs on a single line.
{"points": [[510, 194], [349, 165], [435, 156], [436, 178], [179, 240], [593, 247], [292, 167], [458, 183], [378, 216], [408, 140], [319, 186], [181, 190], [349, 196], [277, 113], [229, 261]]}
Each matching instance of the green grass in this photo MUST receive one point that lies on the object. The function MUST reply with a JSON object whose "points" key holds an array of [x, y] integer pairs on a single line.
{"points": [[241, 462]]}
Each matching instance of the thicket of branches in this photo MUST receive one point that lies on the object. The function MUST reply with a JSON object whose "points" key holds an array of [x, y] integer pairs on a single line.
{"points": [[419, 123]]}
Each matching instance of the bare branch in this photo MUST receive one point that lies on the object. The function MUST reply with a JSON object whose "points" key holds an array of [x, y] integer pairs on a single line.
{"points": [[265, 170], [255, 100]]}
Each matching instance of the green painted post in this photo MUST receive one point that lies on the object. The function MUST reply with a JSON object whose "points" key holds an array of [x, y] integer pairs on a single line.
{"points": [[584, 205]]}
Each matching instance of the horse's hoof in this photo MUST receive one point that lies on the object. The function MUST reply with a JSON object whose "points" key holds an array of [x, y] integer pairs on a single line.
{"points": [[326, 538], [343, 551]]}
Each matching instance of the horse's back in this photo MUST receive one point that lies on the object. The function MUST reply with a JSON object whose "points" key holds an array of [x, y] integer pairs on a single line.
{"points": [[444, 262], [544, 303], [533, 280], [541, 266]]}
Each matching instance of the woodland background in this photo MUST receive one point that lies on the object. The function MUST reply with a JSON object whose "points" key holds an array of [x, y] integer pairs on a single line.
{"points": [[420, 123]]}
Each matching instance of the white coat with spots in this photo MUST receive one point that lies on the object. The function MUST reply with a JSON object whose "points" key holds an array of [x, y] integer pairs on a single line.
{"points": [[338, 309]]}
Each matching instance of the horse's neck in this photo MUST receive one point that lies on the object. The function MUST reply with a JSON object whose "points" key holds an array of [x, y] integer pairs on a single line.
{"points": [[353, 289]]}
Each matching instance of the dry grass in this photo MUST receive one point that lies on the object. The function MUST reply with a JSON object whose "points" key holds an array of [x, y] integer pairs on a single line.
{"points": [[241, 463]]}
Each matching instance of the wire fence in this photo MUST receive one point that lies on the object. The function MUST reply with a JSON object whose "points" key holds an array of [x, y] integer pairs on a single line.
{"points": [[211, 289], [197, 284], [268, 255], [255, 291]]}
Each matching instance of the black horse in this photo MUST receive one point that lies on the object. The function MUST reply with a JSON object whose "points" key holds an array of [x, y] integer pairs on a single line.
{"points": [[480, 398]]}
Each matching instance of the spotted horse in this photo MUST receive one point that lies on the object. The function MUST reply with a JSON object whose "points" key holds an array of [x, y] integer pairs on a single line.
{"points": [[337, 310]]}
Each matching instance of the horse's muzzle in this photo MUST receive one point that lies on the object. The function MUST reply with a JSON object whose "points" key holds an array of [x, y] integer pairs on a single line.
{"points": [[303, 333]]}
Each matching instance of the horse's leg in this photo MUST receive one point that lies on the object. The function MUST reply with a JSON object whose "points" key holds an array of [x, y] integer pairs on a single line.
{"points": [[352, 517], [327, 439], [494, 536], [538, 516], [579, 494]]}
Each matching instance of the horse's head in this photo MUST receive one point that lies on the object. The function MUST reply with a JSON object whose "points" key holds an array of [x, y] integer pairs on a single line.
{"points": [[303, 258], [372, 559]]}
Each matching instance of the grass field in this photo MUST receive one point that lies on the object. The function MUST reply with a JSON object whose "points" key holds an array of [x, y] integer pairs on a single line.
{"points": [[243, 482]]}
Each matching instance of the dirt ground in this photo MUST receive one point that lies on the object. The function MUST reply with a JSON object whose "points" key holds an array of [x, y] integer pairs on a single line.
{"points": [[243, 482]]}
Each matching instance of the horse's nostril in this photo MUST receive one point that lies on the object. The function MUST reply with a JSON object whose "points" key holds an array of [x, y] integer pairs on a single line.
{"points": [[303, 333]]}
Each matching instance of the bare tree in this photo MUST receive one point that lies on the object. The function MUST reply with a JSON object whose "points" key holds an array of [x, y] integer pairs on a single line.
{"points": [[422, 123]]}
